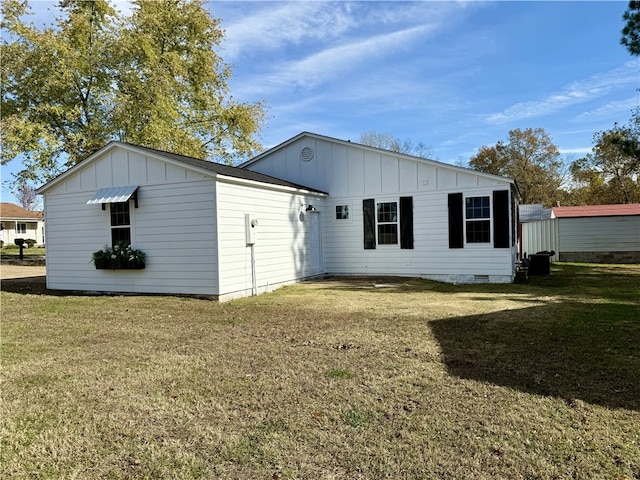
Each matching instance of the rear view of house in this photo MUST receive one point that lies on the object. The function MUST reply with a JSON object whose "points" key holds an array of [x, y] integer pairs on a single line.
{"points": [[394, 214], [312, 206], [204, 228]]}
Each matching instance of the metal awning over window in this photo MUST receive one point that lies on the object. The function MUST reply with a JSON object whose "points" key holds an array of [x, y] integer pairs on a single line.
{"points": [[114, 195]]}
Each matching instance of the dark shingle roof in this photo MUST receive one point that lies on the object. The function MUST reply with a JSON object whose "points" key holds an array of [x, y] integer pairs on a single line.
{"points": [[225, 170]]}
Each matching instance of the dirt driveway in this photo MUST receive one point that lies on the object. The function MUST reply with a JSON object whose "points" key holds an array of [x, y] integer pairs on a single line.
{"points": [[21, 272]]}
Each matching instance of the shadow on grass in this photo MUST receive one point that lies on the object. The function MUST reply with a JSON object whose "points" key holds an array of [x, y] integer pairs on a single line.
{"points": [[575, 351], [28, 285]]}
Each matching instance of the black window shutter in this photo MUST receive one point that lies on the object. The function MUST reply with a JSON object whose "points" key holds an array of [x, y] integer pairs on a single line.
{"points": [[369, 215], [456, 231], [501, 224], [406, 222]]}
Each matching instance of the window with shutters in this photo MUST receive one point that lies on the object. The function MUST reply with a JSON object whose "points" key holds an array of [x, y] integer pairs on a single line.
{"points": [[472, 218], [388, 223]]}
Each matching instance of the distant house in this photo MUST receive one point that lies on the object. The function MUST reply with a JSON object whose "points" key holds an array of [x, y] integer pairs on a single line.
{"points": [[18, 222], [311, 206], [589, 234]]}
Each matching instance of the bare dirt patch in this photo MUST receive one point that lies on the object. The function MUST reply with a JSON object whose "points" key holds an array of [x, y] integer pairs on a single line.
{"points": [[26, 272]]}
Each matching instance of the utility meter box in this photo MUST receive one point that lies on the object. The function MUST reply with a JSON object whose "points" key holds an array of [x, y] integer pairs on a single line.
{"points": [[250, 226]]}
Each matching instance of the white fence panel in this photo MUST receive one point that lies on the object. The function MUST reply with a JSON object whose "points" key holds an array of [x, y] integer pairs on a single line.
{"points": [[540, 236]]}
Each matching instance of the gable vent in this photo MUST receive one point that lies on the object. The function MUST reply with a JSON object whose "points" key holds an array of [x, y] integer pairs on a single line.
{"points": [[306, 154]]}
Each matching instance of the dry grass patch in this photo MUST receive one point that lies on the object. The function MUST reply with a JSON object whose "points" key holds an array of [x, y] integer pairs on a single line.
{"points": [[344, 378]]}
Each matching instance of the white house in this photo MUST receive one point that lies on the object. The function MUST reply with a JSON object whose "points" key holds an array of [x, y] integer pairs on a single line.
{"points": [[311, 206], [394, 214], [188, 216], [18, 222]]}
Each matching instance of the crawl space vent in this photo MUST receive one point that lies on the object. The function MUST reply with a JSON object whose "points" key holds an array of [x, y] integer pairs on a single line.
{"points": [[306, 154]]}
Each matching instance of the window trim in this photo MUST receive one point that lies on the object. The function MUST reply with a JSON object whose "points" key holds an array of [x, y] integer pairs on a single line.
{"points": [[404, 220], [395, 223], [478, 220], [349, 213], [128, 226]]}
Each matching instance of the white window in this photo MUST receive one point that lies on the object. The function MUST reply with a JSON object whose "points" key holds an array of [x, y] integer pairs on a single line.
{"points": [[387, 222], [120, 223], [21, 228], [342, 212], [477, 219]]}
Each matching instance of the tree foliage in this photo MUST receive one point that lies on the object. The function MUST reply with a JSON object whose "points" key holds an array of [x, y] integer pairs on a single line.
{"points": [[387, 141], [611, 173], [152, 78], [631, 30], [531, 159]]}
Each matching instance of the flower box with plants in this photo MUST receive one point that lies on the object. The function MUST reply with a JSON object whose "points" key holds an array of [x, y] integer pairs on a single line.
{"points": [[120, 257]]}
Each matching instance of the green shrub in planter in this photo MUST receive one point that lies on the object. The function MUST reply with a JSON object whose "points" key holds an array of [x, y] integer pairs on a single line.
{"points": [[29, 242], [120, 257]]}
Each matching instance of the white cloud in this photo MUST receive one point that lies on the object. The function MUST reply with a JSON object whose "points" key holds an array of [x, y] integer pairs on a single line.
{"points": [[582, 91], [611, 109], [276, 25]]}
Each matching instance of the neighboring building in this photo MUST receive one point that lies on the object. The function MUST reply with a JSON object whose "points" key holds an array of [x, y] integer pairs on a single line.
{"points": [[18, 222], [598, 233], [588, 234], [310, 206]]}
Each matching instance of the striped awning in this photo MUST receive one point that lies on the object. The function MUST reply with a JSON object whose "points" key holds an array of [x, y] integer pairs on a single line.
{"points": [[113, 194]]}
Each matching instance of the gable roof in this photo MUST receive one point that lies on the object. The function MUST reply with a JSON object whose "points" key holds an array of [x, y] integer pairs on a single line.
{"points": [[376, 149], [597, 210], [194, 163], [13, 211]]}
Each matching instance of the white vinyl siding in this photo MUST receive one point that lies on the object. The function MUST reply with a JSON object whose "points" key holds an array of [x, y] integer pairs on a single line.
{"points": [[351, 173], [431, 256], [174, 225], [284, 247]]}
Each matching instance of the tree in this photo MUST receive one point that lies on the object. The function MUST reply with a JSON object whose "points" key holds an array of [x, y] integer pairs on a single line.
{"points": [[531, 159], [27, 196], [611, 173], [631, 31], [153, 79], [387, 141]]}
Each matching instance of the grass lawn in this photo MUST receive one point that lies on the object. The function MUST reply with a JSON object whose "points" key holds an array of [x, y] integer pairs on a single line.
{"points": [[357, 378], [14, 251]]}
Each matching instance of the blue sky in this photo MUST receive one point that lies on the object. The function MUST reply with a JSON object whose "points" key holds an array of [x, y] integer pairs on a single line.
{"points": [[453, 75]]}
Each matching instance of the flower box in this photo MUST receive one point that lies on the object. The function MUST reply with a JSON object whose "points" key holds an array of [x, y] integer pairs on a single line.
{"points": [[120, 257]]}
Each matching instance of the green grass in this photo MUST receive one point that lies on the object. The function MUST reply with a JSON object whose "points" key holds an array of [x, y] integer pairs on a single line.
{"points": [[334, 379], [14, 251]]}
